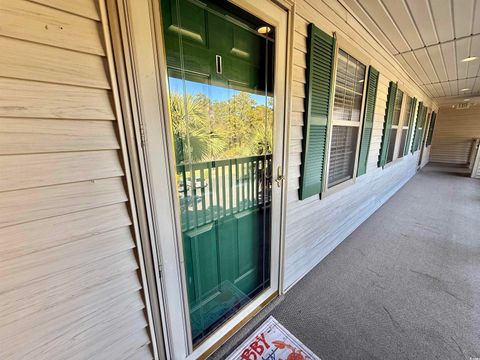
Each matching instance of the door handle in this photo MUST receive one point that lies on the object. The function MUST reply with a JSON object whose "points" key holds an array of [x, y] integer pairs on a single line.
{"points": [[280, 177], [218, 64]]}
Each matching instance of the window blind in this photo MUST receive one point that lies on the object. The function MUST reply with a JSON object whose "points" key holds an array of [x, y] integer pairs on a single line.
{"points": [[395, 122], [348, 88], [342, 154], [347, 108], [398, 107], [411, 123], [405, 125]]}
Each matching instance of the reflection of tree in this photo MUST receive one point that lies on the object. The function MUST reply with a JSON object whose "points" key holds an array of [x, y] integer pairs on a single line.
{"points": [[195, 140], [236, 127]]}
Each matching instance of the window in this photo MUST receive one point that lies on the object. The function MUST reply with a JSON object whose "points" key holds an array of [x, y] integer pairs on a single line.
{"points": [[395, 125], [405, 119], [346, 115]]}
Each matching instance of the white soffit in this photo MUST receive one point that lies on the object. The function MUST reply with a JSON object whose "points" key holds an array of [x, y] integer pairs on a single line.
{"points": [[430, 38]]}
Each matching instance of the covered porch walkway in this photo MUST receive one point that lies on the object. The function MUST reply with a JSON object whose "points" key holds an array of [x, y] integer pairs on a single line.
{"points": [[404, 285]]}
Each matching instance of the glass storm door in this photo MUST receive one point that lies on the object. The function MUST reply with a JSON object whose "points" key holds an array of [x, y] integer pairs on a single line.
{"points": [[220, 63]]}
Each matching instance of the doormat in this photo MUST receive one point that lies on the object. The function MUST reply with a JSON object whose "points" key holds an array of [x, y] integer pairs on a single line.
{"points": [[271, 341]]}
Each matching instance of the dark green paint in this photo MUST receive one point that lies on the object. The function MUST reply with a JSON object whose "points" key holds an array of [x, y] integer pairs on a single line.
{"points": [[368, 116], [387, 124], [226, 245], [431, 128], [320, 61], [205, 35]]}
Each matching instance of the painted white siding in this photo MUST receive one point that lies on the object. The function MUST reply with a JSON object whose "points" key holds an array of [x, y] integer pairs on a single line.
{"points": [[426, 149], [70, 282], [315, 227], [453, 135], [476, 165], [426, 156]]}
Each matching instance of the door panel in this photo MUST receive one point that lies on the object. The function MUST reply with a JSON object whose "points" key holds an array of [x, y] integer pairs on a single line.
{"points": [[221, 106]]}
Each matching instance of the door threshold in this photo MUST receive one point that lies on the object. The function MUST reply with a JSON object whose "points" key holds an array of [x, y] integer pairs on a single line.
{"points": [[237, 327]]}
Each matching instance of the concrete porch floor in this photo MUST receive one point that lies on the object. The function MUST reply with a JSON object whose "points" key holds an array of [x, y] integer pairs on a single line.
{"points": [[404, 285]]}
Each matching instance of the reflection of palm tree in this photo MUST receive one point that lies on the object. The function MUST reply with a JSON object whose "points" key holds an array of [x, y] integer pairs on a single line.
{"points": [[194, 139], [205, 130]]}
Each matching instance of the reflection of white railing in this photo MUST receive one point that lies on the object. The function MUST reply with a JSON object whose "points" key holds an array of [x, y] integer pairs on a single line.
{"points": [[216, 189], [474, 162], [473, 152]]}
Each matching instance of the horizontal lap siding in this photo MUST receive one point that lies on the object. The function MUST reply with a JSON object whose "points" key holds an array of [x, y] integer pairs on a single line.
{"points": [[453, 135], [70, 284], [315, 227]]}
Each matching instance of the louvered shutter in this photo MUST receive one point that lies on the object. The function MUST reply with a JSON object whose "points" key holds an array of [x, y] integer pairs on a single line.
{"points": [[420, 112], [422, 131], [368, 115], [387, 124], [320, 60], [431, 128], [411, 123]]}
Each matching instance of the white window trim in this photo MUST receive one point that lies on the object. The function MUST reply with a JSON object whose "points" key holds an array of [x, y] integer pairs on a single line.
{"points": [[345, 45], [414, 124], [401, 127]]}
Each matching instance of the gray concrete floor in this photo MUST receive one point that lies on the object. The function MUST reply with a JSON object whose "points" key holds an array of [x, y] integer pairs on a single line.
{"points": [[404, 285]]}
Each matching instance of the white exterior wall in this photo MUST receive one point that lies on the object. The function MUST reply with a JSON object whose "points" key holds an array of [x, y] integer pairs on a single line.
{"points": [[71, 284], [454, 133], [315, 227]]}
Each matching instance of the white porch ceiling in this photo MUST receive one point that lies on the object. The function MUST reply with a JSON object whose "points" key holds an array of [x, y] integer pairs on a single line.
{"points": [[429, 38]]}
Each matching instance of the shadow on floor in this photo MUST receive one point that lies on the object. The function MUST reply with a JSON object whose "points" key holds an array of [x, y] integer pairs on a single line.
{"points": [[404, 285], [461, 170]]}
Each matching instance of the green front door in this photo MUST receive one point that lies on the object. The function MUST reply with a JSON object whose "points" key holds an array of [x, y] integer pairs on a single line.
{"points": [[220, 67]]}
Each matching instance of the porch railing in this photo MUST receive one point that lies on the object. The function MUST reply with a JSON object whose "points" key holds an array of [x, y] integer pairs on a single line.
{"points": [[214, 190]]}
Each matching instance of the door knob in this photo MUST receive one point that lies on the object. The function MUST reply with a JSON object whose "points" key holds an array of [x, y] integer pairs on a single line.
{"points": [[280, 177]]}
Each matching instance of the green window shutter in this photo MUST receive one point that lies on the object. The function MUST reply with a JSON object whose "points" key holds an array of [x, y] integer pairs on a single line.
{"points": [[422, 132], [368, 115], [430, 129], [320, 60], [420, 113], [411, 123], [387, 124]]}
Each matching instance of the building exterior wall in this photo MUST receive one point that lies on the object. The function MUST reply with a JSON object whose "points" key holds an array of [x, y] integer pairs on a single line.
{"points": [[70, 282], [476, 166], [67, 234], [315, 227], [426, 156], [453, 135]]}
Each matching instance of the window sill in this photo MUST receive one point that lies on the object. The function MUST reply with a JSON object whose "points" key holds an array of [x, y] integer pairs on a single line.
{"points": [[336, 188], [394, 161]]}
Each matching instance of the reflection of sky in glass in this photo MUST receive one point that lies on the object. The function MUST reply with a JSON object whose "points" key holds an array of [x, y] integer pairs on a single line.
{"points": [[215, 93]]}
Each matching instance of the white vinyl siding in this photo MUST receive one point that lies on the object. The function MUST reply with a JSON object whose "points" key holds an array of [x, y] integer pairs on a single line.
{"points": [[454, 131], [70, 282], [315, 226]]}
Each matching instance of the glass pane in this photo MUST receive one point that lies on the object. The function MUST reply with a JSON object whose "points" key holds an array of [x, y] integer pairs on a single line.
{"points": [[402, 142], [391, 145], [221, 106], [398, 107], [408, 111], [342, 154], [348, 88]]}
